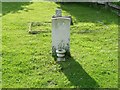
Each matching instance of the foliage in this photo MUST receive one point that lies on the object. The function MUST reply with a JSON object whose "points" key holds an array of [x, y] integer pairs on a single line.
{"points": [[117, 3]]}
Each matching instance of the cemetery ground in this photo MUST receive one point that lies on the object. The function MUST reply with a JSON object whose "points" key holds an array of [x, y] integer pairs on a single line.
{"points": [[27, 60]]}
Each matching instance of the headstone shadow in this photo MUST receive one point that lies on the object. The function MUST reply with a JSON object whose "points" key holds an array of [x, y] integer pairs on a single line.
{"points": [[77, 75]]}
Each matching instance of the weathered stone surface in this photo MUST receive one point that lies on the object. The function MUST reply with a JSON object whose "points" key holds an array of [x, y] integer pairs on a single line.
{"points": [[60, 33], [58, 12]]}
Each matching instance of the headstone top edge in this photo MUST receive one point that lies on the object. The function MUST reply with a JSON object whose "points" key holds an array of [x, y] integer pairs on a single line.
{"points": [[56, 18]]}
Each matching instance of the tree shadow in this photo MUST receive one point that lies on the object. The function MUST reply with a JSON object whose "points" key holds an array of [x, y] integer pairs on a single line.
{"points": [[85, 12], [77, 75], [13, 7]]}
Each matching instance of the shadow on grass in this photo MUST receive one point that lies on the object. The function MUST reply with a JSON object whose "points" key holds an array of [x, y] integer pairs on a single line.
{"points": [[13, 7], [77, 75], [83, 12]]}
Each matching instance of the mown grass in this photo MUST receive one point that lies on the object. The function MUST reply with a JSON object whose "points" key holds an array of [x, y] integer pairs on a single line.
{"points": [[0, 45], [27, 59]]}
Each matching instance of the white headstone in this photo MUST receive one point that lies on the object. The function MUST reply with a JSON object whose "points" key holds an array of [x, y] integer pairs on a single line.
{"points": [[60, 33]]}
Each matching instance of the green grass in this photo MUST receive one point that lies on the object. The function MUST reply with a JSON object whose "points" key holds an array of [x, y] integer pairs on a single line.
{"points": [[27, 59], [0, 45]]}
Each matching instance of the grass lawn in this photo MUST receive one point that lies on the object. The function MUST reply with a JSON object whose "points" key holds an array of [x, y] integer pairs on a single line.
{"points": [[27, 59], [0, 44]]}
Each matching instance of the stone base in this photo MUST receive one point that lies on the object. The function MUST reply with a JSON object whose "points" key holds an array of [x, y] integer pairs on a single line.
{"points": [[60, 59]]}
